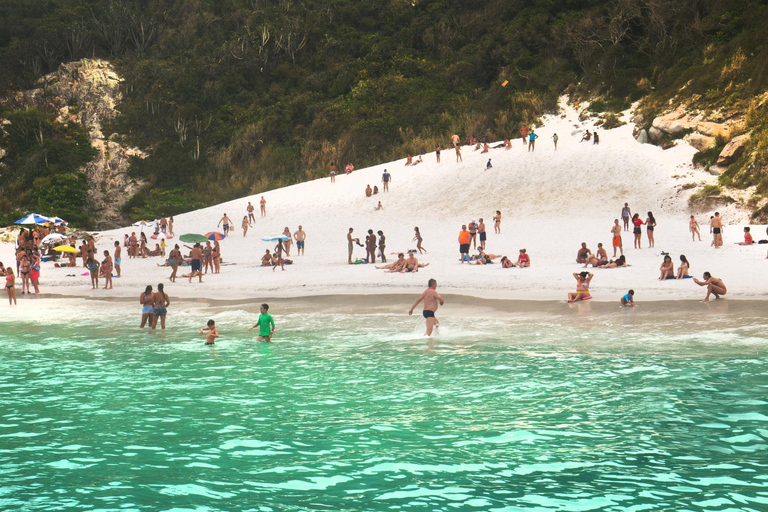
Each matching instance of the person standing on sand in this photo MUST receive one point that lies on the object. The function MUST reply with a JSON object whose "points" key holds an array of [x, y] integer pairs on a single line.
{"points": [[532, 140], [145, 299], [637, 231], [497, 222], [160, 303], [106, 268], [250, 209], [196, 255], [625, 216], [93, 268], [715, 286], [370, 247], [333, 172], [350, 245], [693, 227], [170, 225], [473, 233], [265, 323], [278, 255], [458, 154], [133, 246], [616, 237], [10, 286], [717, 230], [524, 134], [382, 245], [227, 222], [174, 260], [431, 299], [555, 138], [437, 152], [263, 206], [245, 224], [118, 258], [456, 140], [650, 223], [385, 179], [300, 235], [481, 230], [464, 240], [417, 237]]}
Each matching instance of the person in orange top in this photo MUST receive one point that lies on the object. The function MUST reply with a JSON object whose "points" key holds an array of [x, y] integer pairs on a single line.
{"points": [[464, 239]]}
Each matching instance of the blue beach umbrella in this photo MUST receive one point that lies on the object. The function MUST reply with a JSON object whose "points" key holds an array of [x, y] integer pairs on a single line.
{"points": [[33, 218], [275, 237], [58, 221]]}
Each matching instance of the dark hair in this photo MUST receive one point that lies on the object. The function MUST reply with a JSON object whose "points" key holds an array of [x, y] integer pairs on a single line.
{"points": [[118, 242], [635, 216], [631, 292], [265, 306], [667, 256], [148, 288], [160, 288], [707, 275], [431, 282], [583, 273], [650, 216], [622, 258], [746, 229], [211, 322], [685, 260]]}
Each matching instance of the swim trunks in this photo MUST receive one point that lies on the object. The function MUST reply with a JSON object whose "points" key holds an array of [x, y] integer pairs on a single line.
{"points": [[209, 343], [636, 231], [300, 244], [118, 260], [428, 314], [159, 311], [464, 248], [482, 236], [196, 266], [617, 241], [147, 310], [350, 248], [716, 231]]}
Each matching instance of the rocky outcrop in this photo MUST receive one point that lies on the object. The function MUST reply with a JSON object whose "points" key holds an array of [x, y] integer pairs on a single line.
{"points": [[733, 150], [87, 92], [699, 131], [642, 136], [700, 142]]}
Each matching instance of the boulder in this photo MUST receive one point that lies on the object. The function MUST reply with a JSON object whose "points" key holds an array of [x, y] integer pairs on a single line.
{"points": [[642, 137], [673, 123], [655, 134], [733, 150], [700, 142], [637, 119], [713, 129]]}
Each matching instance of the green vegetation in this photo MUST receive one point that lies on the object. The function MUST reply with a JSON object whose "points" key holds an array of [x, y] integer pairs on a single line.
{"points": [[236, 96]]}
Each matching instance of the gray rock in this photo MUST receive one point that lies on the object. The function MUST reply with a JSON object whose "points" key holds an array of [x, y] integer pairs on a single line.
{"points": [[655, 134], [700, 142], [642, 137], [733, 150]]}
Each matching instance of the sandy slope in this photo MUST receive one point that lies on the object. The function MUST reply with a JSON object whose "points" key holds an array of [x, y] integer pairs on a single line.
{"points": [[551, 201]]}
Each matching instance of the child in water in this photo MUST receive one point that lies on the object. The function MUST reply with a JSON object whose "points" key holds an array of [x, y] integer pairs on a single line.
{"points": [[628, 299], [213, 333]]}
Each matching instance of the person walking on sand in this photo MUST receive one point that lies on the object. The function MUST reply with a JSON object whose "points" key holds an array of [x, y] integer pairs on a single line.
{"points": [[417, 237], [385, 179], [693, 227], [481, 231], [160, 303], [265, 323], [251, 218], [245, 225], [582, 286], [715, 286], [212, 334], [300, 235], [625, 216], [555, 138], [650, 223], [145, 299], [431, 299], [174, 260], [382, 245], [333, 172], [637, 231], [10, 286], [263, 206], [717, 230], [497, 222], [437, 152], [532, 140], [458, 154], [464, 240], [227, 222], [488, 165], [196, 255]]}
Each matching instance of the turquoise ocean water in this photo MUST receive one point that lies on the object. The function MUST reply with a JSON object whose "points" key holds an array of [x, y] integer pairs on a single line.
{"points": [[513, 407]]}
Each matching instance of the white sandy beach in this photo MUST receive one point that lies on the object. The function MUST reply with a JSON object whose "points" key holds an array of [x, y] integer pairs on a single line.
{"points": [[550, 200]]}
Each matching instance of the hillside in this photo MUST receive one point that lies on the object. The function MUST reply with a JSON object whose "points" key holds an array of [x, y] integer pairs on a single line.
{"points": [[231, 98]]}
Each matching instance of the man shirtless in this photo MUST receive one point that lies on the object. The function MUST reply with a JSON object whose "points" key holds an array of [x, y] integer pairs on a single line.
{"points": [[616, 237], [227, 222], [300, 235], [584, 253], [456, 140], [196, 255], [263, 204], [251, 218], [717, 230], [412, 264], [431, 299], [118, 257]]}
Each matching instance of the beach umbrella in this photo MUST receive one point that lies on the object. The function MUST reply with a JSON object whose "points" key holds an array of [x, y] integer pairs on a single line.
{"points": [[33, 218], [275, 237], [65, 248], [53, 237], [59, 221], [193, 238], [215, 235], [161, 235], [143, 223]]}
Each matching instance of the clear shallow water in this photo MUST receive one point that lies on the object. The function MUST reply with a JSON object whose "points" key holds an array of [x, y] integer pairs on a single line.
{"points": [[512, 408]]}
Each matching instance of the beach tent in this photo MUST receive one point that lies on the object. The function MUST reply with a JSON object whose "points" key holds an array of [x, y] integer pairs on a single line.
{"points": [[192, 238], [53, 237], [275, 237], [214, 235], [33, 218]]}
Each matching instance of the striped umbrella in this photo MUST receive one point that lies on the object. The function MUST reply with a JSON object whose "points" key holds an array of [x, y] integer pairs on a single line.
{"points": [[215, 235], [33, 218]]}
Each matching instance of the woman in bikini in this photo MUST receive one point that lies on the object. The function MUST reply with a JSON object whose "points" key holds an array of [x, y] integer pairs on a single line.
{"points": [[10, 286], [667, 269], [216, 256], [245, 225], [34, 272], [418, 239], [715, 286], [650, 223], [174, 260], [497, 222], [693, 226], [145, 299], [682, 270], [287, 243], [24, 271], [582, 286]]}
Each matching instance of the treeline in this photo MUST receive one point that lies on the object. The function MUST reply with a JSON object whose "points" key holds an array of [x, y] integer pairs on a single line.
{"points": [[231, 97]]}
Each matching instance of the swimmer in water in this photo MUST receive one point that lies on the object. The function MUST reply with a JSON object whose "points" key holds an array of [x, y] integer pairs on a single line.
{"points": [[213, 333]]}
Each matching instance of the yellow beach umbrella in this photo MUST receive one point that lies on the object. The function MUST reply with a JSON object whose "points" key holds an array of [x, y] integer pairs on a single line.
{"points": [[65, 248]]}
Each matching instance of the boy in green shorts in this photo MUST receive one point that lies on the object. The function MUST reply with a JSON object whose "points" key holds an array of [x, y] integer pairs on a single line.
{"points": [[265, 323]]}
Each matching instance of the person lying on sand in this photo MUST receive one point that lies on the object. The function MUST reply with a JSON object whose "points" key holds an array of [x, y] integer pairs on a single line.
{"points": [[396, 266], [194, 273], [412, 264], [621, 261], [507, 263]]}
